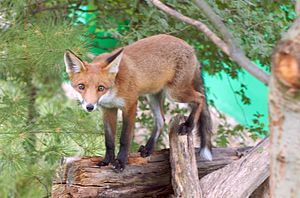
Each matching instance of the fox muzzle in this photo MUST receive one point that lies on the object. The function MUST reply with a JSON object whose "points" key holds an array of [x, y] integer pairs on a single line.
{"points": [[89, 107]]}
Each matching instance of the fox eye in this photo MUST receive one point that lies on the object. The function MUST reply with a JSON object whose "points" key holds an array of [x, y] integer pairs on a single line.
{"points": [[81, 86], [101, 88]]}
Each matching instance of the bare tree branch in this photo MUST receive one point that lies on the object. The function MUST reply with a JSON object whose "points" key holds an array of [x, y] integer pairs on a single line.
{"points": [[199, 25], [236, 53], [228, 47]]}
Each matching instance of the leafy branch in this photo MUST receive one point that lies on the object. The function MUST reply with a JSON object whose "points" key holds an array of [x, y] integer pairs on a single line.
{"points": [[228, 46]]}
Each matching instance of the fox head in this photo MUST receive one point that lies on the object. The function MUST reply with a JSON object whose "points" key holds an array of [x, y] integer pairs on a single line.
{"points": [[92, 81]]}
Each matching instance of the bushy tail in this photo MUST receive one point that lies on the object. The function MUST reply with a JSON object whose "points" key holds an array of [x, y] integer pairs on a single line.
{"points": [[205, 132], [204, 123]]}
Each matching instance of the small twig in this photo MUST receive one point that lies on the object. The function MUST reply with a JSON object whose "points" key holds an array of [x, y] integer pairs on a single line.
{"points": [[43, 9], [177, 31], [45, 186], [81, 10]]}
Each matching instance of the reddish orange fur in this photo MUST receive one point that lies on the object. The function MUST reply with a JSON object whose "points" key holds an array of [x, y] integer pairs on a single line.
{"points": [[148, 66]]}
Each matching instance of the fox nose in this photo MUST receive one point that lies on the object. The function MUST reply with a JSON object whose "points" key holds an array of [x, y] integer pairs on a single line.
{"points": [[89, 107]]}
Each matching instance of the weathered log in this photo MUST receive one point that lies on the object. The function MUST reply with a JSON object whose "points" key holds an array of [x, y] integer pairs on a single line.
{"points": [[240, 178], [183, 162], [142, 177], [284, 105]]}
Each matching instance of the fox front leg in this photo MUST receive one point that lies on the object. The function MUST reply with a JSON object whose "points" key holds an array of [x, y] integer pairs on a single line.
{"points": [[110, 123], [156, 102], [126, 137]]}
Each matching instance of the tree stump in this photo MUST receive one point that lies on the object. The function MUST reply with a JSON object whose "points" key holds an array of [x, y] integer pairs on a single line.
{"points": [[185, 179]]}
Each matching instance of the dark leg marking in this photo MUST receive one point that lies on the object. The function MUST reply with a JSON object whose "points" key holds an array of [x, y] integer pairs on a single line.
{"points": [[155, 102]]}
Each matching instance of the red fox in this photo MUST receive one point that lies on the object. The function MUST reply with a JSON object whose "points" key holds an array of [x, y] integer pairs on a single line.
{"points": [[156, 67]]}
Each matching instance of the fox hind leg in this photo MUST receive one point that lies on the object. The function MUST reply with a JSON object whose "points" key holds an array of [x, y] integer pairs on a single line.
{"points": [[190, 122], [156, 105], [199, 116], [196, 108]]}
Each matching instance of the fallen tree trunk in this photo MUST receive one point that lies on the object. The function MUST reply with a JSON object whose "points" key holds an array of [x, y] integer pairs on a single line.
{"points": [[240, 178], [142, 177]]}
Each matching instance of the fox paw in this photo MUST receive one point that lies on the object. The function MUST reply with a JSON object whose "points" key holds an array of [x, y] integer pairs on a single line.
{"points": [[103, 163], [144, 151], [118, 166], [184, 129], [106, 161]]}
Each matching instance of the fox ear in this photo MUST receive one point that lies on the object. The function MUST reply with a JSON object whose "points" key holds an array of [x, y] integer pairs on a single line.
{"points": [[73, 63], [114, 62]]}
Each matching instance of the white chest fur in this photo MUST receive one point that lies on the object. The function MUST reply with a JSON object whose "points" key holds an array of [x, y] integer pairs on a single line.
{"points": [[111, 100]]}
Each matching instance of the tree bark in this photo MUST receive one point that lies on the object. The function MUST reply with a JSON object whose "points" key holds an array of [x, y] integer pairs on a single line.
{"points": [[297, 7], [151, 176], [284, 105], [240, 178], [185, 179]]}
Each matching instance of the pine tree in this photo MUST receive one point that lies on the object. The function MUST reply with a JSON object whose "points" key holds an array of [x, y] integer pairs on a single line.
{"points": [[38, 125]]}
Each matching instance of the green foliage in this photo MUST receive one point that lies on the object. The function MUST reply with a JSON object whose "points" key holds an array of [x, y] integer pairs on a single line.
{"points": [[242, 93], [61, 129], [226, 131], [257, 128], [255, 25], [38, 126]]}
